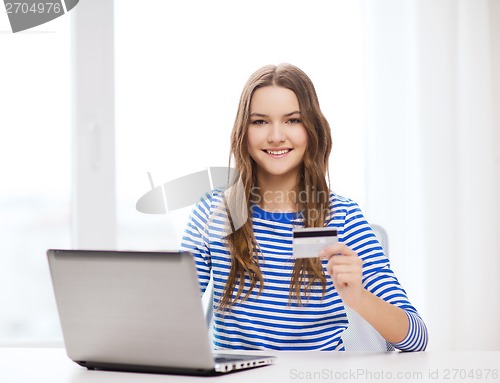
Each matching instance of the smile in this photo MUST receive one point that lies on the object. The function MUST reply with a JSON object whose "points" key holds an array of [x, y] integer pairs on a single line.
{"points": [[277, 152]]}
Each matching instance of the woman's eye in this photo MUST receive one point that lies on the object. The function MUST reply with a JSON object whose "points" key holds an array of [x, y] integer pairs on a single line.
{"points": [[258, 122], [294, 121]]}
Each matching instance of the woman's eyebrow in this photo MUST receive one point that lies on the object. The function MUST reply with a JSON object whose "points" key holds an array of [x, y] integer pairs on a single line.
{"points": [[265, 115]]}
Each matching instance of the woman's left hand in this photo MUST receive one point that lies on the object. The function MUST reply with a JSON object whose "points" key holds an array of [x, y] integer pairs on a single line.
{"points": [[345, 267]]}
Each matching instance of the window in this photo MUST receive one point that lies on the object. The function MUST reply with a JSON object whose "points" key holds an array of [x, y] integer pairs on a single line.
{"points": [[179, 74], [35, 176]]}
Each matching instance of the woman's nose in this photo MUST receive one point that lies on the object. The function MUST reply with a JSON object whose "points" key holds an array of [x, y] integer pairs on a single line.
{"points": [[276, 133]]}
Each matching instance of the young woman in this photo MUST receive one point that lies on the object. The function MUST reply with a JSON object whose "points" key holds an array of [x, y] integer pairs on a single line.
{"points": [[263, 297]]}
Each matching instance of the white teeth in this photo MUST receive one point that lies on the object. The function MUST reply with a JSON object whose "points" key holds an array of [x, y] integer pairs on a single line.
{"points": [[278, 152]]}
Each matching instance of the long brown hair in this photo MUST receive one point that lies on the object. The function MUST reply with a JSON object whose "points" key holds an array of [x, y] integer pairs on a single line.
{"points": [[312, 183]]}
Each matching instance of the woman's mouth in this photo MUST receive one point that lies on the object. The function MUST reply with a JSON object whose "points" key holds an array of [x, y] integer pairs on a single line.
{"points": [[277, 152]]}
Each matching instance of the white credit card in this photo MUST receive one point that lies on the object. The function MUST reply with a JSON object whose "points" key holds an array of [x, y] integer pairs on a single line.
{"points": [[309, 241]]}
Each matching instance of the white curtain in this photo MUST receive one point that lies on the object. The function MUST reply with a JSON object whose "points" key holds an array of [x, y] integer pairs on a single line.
{"points": [[433, 159]]}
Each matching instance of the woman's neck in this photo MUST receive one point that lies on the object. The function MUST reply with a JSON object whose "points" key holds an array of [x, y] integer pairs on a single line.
{"points": [[276, 194]]}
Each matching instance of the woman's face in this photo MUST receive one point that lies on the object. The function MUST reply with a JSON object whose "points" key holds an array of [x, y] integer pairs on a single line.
{"points": [[277, 138]]}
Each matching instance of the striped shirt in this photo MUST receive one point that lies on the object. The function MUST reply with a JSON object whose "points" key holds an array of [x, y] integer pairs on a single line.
{"points": [[271, 320]]}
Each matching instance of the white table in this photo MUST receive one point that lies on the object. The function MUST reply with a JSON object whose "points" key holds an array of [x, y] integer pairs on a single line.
{"points": [[51, 365]]}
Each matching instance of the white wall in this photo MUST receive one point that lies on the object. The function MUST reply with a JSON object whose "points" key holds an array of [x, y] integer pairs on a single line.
{"points": [[433, 161]]}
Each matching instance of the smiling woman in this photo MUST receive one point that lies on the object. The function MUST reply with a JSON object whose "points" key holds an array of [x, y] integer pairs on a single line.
{"points": [[265, 295]]}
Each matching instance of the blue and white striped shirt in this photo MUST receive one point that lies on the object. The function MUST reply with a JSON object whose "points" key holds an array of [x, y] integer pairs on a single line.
{"points": [[271, 320]]}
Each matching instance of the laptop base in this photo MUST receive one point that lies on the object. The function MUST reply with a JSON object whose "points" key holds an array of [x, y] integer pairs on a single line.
{"points": [[154, 369]]}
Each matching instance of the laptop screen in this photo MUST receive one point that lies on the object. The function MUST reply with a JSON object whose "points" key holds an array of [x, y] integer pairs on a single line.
{"points": [[141, 308]]}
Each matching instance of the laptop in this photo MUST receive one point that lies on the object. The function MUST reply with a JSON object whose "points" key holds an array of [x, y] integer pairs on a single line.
{"points": [[137, 311]]}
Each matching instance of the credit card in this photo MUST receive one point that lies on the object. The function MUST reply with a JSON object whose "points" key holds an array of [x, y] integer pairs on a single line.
{"points": [[309, 241]]}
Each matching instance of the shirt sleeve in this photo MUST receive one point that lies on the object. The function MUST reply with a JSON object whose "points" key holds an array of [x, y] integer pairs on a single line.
{"points": [[196, 241], [379, 279]]}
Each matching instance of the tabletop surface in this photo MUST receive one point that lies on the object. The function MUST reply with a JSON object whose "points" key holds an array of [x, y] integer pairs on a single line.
{"points": [[20, 364]]}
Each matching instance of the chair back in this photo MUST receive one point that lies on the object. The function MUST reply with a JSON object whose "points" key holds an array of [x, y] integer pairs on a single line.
{"points": [[360, 335]]}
